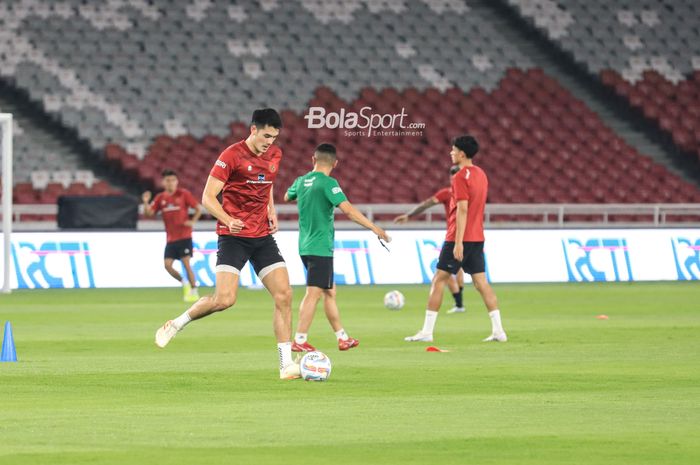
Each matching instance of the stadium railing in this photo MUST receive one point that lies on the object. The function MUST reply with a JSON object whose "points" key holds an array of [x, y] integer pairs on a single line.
{"points": [[496, 216]]}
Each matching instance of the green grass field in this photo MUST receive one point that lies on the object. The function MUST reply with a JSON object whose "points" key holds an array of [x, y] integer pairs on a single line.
{"points": [[91, 387]]}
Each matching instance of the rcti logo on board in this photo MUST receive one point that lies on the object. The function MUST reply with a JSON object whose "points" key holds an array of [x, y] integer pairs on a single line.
{"points": [[203, 263], [352, 262], [52, 265], [599, 259], [686, 254]]}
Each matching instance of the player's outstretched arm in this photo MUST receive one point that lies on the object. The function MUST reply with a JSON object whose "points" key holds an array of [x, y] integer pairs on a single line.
{"points": [[211, 203], [356, 215], [146, 199], [417, 210]]}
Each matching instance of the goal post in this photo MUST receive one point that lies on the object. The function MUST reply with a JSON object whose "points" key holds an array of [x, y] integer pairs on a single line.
{"points": [[6, 129]]}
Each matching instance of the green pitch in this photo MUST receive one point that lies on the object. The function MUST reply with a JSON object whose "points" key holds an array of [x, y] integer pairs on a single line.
{"points": [[91, 387]]}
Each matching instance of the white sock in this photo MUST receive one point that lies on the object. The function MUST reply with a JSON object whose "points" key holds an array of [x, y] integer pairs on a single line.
{"points": [[495, 316], [342, 335], [284, 349], [181, 321], [429, 323], [300, 338]]}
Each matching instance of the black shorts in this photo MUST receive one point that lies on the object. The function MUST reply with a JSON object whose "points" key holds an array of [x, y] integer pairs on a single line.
{"points": [[178, 249], [319, 271], [473, 258], [234, 252]]}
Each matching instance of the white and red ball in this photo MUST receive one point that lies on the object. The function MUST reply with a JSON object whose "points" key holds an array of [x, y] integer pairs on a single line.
{"points": [[315, 366], [394, 300]]}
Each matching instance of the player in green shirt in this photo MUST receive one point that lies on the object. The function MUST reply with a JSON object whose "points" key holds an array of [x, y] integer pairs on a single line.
{"points": [[317, 195]]}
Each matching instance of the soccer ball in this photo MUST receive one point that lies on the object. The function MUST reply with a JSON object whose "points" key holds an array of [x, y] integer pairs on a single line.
{"points": [[315, 366], [394, 300]]}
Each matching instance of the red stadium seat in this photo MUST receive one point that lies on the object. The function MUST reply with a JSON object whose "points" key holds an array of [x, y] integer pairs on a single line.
{"points": [[673, 107], [527, 124]]}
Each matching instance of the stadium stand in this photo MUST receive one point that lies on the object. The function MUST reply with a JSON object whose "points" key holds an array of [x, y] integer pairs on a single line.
{"points": [[153, 84], [44, 169], [534, 134], [647, 51], [35, 150]]}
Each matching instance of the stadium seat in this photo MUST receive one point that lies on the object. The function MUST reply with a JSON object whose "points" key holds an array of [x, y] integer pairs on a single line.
{"points": [[62, 177], [174, 106], [40, 179], [85, 177], [650, 58]]}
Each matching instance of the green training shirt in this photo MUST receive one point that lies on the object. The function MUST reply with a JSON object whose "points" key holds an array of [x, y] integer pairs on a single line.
{"points": [[317, 196]]}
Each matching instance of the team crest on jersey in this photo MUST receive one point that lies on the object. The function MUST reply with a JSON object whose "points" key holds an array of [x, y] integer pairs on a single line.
{"points": [[272, 168]]}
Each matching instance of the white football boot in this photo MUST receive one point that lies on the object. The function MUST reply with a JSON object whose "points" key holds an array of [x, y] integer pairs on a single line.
{"points": [[291, 371], [420, 336], [457, 310], [497, 337], [165, 333]]}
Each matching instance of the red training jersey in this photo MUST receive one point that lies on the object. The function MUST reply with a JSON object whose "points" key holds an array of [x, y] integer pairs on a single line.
{"points": [[175, 212], [444, 196], [247, 182], [470, 184]]}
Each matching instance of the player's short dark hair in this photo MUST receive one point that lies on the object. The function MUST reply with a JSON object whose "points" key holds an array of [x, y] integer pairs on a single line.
{"points": [[454, 169], [168, 172], [326, 153], [466, 144], [266, 117]]}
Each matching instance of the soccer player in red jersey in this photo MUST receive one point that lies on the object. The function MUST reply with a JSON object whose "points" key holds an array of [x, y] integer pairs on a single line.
{"points": [[243, 175], [464, 243], [443, 196], [174, 204]]}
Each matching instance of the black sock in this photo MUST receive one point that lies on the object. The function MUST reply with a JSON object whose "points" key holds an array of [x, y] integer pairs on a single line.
{"points": [[458, 298]]}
